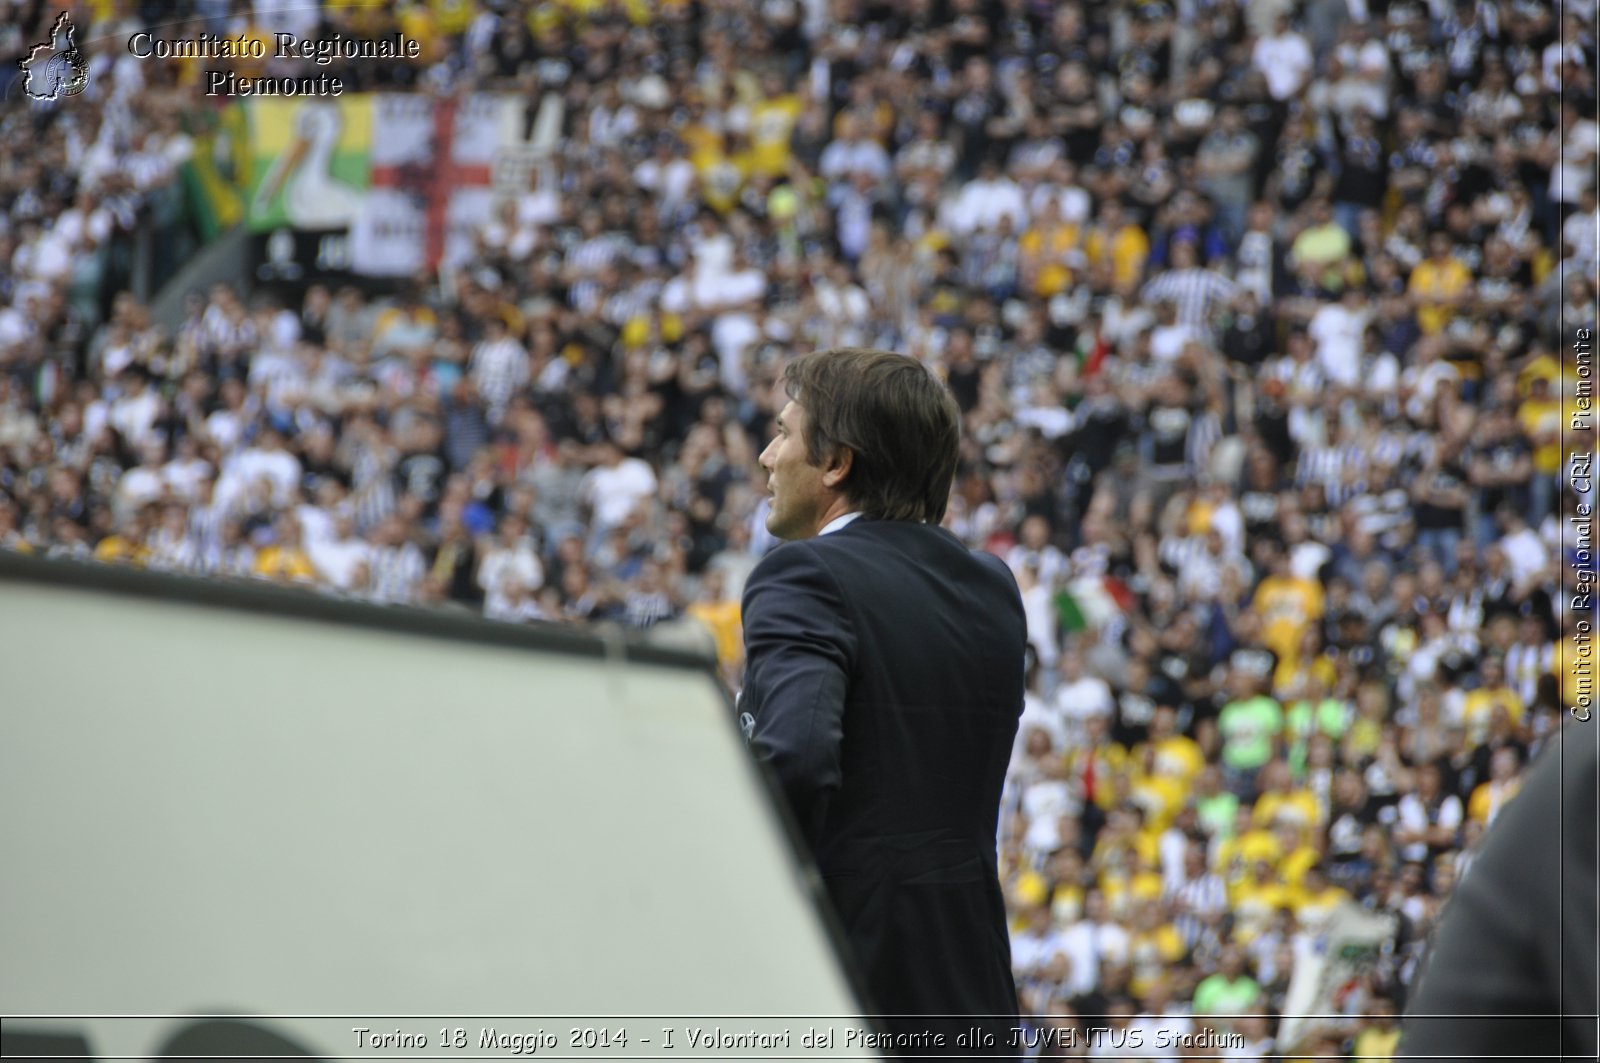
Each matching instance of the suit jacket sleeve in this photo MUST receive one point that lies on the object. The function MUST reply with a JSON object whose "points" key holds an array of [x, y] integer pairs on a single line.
{"points": [[799, 647]]}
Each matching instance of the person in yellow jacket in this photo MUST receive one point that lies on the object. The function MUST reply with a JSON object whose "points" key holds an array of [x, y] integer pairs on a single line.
{"points": [[772, 120], [1044, 249], [1286, 604], [1379, 1039], [286, 560], [1317, 898], [1115, 240], [1234, 856], [1438, 285], [720, 615], [125, 546], [1278, 802], [1493, 691], [1171, 754], [1154, 945], [1256, 900], [1491, 795]]}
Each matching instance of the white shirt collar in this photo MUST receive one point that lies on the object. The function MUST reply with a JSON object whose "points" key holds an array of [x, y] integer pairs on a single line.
{"points": [[838, 522]]}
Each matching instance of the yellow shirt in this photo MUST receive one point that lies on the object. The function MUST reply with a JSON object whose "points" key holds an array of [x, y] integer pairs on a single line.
{"points": [[1161, 797], [1541, 423], [1127, 249], [1046, 251], [1286, 605], [285, 562], [1254, 906], [723, 619], [421, 24], [1289, 670], [1296, 806], [1114, 855], [1109, 759], [1430, 282], [1177, 757], [705, 146], [1031, 888], [1488, 798], [1237, 855], [720, 184], [452, 16], [1375, 1046], [1480, 703], [1317, 906], [1363, 737], [395, 316], [1150, 952], [1292, 867], [1544, 368], [1121, 890], [118, 550], [365, 16], [771, 128], [1066, 904]]}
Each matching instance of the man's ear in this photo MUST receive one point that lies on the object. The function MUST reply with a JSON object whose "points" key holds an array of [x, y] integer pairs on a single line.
{"points": [[838, 469]]}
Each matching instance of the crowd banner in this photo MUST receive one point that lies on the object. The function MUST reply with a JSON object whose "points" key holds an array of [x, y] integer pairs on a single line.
{"points": [[310, 161], [214, 173], [1328, 966], [388, 236], [436, 169]]}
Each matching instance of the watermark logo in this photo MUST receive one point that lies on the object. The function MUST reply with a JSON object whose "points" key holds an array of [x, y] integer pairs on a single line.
{"points": [[55, 68]]}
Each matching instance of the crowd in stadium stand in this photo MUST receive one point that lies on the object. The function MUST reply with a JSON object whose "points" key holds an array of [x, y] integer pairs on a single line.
{"points": [[1261, 319]]}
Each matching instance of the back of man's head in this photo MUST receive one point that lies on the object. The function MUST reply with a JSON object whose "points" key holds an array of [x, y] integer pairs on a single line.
{"points": [[898, 420]]}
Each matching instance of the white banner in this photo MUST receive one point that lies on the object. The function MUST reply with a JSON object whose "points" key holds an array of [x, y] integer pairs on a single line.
{"points": [[1325, 967], [389, 235], [433, 169]]}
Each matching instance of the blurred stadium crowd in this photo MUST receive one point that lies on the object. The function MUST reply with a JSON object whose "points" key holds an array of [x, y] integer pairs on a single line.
{"points": [[1261, 318]]}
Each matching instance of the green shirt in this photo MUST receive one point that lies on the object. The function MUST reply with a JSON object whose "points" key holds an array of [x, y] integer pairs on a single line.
{"points": [[1305, 719], [1249, 729], [1216, 813], [1218, 996]]}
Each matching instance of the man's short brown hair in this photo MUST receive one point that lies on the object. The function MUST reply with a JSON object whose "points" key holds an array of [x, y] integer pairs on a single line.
{"points": [[899, 422]]}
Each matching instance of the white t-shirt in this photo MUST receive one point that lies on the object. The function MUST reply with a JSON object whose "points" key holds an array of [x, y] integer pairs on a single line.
{"points": [[135, 416], [613, 492], [1574, 168], [1414, 816], [185, 476], [281, 469], [337, 559], [1078, 700], [504, 565], [1338, 331], [1285, 62], [139, 486], [1525, 553], [1168, 341], [1087, 944]]}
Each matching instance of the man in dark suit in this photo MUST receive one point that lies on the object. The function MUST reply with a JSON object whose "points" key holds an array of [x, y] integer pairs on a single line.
{"points": [[883, 684], [1511, 970]]}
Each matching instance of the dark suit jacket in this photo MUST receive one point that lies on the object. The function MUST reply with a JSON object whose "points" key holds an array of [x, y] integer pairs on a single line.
{"points": [[1511, 970], [885, 677]]}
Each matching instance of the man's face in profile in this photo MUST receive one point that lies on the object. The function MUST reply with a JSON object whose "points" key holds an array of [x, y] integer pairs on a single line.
{"points": [[799, 495]]}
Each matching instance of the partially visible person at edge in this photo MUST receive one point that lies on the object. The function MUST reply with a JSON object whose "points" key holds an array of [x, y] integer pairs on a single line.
{"points": [[1511, 970]]}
